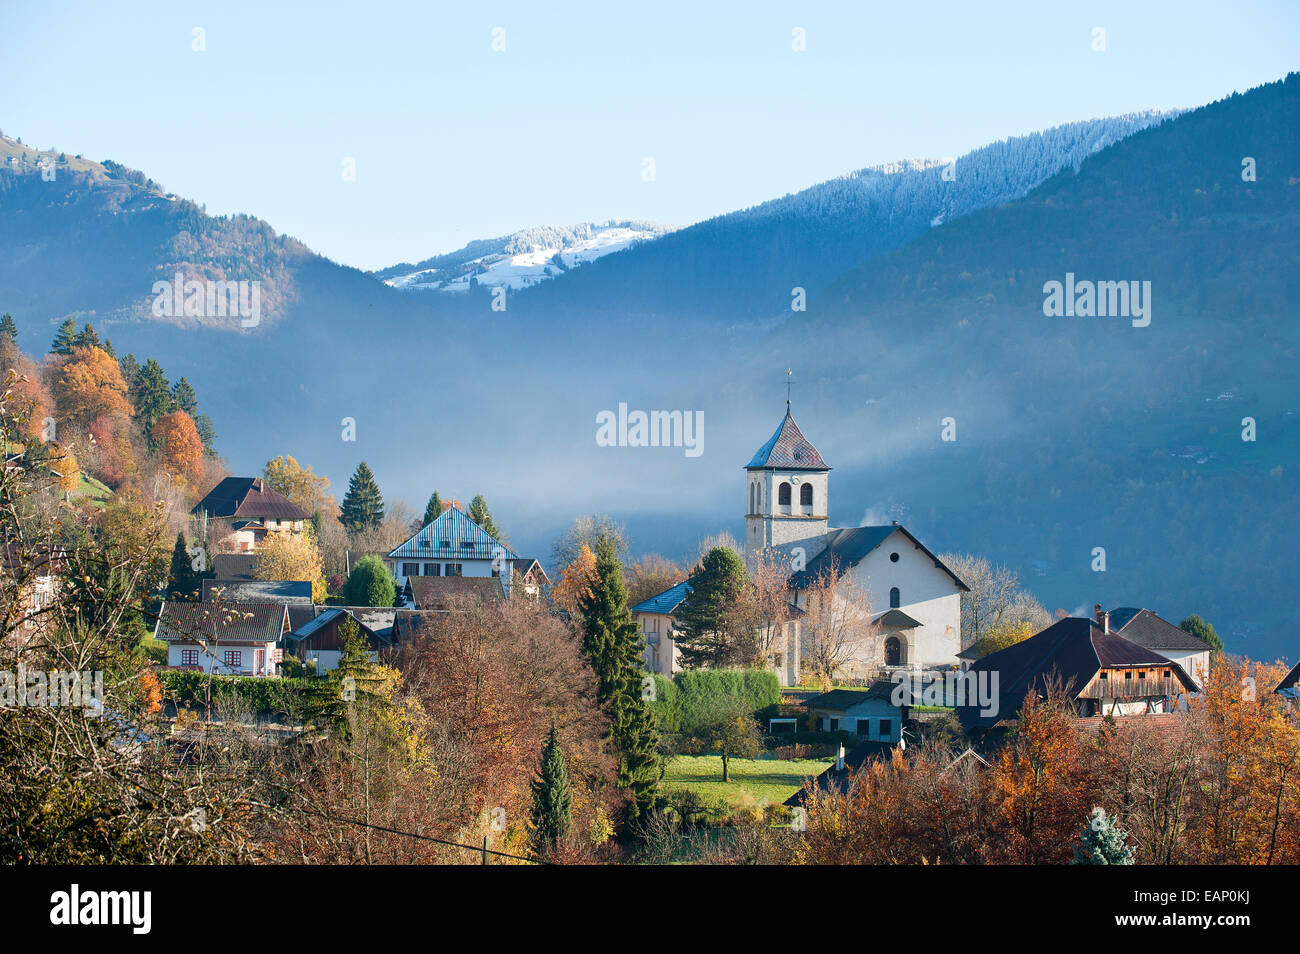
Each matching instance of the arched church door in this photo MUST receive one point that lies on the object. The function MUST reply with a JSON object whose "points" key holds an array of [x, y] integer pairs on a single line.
{"points": [[893, 651]]}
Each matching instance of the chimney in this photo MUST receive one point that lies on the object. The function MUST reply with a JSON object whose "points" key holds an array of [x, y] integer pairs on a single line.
{"points": [[1105, 622], [1096, 612], [839, 760]]}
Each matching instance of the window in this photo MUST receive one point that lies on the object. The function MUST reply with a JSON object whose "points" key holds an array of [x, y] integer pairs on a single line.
{"points": [[893, 558], [446, 544], [895, 598], [233, 658], [886, 728], [835, 725], [410, 569], [864, 727], [259, 660], [466, 545], [783, 494], [189, 657], [433, 569], [454, 569], [805, 495]]}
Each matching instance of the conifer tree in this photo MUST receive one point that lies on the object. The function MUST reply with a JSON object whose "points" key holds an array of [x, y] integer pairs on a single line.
{"points": [[8, 328], [479, 513], [186, 580], [207, 433], [184, 398], [707, 617], [363, 504], [1103, 843], [151, 397], [552, 813], [353, 683], [613, 644], [130, 372], [433, 510], [65, 338], [87, 338]]}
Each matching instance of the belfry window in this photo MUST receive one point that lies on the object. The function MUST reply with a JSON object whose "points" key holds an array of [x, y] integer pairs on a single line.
{"points": [[805, 495], [783, 495]]}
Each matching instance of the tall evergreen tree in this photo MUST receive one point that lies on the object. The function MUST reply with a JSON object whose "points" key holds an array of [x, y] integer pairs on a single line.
{"points": [[1195, 626], [65, 338], [184, 398], [706, 617], [8, 328], [613, 644], [152, 395], [363, 504], [186, 581], [207, 433], [433, 510], [479, 513], [552, 813], [109, 349], [87, 337], [130, 372]]}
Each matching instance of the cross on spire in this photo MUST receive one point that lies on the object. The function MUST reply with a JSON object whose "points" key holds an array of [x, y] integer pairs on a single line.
{"points": [[788, 373]]}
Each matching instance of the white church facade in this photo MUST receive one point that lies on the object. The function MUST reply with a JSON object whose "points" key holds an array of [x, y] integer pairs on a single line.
{"points": [[912, 600]]}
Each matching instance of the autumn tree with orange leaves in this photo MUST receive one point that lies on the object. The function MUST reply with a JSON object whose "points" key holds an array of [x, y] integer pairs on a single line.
{"points": [[90, 385], [575, 581], [179, 448]]}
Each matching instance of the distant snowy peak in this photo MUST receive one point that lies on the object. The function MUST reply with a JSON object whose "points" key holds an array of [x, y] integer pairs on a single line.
{"points": [[522, 259]]}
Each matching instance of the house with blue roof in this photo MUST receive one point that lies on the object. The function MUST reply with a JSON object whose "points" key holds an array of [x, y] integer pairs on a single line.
{"points": [[655, 619], [453, 545]]}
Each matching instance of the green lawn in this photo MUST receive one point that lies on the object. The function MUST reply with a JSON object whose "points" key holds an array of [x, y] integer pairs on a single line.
{"points": [[765, 780], [92, 488]]}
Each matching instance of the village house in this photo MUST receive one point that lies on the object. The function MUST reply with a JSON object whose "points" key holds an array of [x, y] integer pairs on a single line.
{"points": [[1150, 631], [240, 639], [34, 578], [320, 639], [453, 545], [440, 594], [234, 566], [1289, 687], [257, 591], [1101, 671], [253, 510], [870, 713]]}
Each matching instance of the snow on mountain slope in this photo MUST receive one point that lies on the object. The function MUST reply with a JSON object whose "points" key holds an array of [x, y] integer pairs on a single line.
{"points": [[522, 259]]}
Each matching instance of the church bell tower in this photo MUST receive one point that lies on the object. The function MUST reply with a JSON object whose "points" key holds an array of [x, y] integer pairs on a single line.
{"points": [[786, 485]]}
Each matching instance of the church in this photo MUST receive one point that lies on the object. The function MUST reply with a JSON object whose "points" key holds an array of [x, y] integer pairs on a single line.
{"points": [[913, 599]]}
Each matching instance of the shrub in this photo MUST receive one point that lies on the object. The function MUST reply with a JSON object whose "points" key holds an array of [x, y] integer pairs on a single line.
{"points": [[700, 690], [264, 695]]}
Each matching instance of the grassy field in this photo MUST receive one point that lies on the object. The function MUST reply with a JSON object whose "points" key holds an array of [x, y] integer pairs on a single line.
{"points": [[764, 780]]}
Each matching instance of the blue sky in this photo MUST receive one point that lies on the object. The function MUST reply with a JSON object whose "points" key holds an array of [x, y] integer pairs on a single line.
{"points": [[453, 141]]}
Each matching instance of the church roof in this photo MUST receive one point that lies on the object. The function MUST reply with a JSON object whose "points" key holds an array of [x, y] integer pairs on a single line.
{"points": [[789, 449], [847, 548]]}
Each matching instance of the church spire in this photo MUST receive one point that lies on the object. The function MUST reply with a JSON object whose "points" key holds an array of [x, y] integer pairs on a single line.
{"points": [[788, 373]]}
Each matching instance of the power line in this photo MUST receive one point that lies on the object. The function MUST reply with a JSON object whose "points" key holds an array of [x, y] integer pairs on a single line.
{"points": [[438, 841]]}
